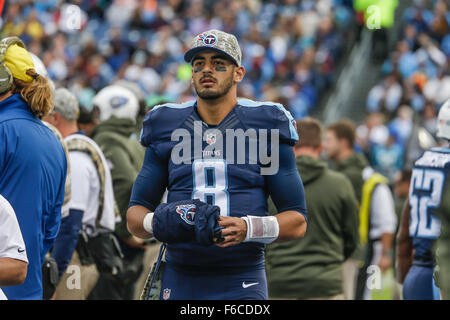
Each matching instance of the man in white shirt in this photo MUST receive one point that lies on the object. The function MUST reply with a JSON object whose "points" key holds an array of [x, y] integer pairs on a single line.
{"points": [[377, 230], [92, 206], [13, 256]]}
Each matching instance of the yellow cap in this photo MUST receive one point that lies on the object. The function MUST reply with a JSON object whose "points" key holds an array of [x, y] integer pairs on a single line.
{"points": [[19, 61]]}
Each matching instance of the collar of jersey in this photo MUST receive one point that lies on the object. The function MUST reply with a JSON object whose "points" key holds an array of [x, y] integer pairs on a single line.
{"points": [[228, 122]]}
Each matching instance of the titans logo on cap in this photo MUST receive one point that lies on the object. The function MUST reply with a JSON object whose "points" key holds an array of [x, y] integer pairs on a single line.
{"points": [[217, 40], [208, 39], [187, 213]]}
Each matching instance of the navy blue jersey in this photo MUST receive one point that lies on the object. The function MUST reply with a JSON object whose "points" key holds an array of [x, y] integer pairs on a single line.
{"points": [[232, 165], [32, 177], [429, 176]]}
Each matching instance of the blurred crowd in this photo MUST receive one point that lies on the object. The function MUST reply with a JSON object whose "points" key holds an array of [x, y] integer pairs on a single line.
{"points": [[402, 108], [290, 48]]}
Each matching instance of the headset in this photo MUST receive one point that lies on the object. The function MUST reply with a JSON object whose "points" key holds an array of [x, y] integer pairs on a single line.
{"points": [[6, 77]]}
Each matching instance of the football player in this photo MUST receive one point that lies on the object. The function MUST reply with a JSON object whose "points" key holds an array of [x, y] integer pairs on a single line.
{"points": [[428, 201], [219, 157]]}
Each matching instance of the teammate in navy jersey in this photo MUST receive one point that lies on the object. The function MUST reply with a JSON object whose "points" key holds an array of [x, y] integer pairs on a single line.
{"points": [[219, 158], [421, 226]]}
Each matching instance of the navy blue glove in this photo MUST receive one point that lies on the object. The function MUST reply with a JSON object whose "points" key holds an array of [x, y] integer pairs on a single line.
{"points": [[207, 223], [186, 221]]}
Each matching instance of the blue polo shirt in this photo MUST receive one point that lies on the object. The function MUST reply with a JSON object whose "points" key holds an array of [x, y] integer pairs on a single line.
{"points": [[32, 178]]}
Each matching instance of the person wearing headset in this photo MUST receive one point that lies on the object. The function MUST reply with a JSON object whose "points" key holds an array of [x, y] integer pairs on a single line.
{"points": [[33, 165]]}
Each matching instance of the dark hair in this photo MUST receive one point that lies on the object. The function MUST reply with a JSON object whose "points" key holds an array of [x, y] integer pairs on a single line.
{"points": [[344, 129], [309, 132]]}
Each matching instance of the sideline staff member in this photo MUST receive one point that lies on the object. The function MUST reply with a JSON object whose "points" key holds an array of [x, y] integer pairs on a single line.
{"points": [[33, 164]]}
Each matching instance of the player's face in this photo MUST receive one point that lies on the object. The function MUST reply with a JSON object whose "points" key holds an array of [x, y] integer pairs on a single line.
{"points": [[213, 75], [331, 144]]}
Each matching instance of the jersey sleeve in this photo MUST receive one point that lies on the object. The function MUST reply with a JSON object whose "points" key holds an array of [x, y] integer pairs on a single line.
{"points": [[286, 125], [151, 181], [286, 187], [160, 122], [11, 241], [146, 132]]}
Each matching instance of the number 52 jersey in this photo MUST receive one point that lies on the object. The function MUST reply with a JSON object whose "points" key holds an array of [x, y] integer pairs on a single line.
{"points": [[430, 187]]}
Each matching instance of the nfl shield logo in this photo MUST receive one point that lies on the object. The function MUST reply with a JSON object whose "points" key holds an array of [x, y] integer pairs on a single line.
{"points": [[166, 294], [210, 138]]}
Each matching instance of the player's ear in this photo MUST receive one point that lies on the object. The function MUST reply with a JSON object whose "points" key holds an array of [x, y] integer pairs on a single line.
{"points": [[239, 73]]}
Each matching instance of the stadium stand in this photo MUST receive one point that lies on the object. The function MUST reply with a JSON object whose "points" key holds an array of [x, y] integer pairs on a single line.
{"points": [[290, 48]]}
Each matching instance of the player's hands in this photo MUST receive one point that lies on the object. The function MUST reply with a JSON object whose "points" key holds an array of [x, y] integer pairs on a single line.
{"points": [[234, 231], [186, 221]]}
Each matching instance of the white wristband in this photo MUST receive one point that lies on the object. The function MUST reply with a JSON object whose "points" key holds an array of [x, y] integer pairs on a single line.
{"points": [[148, 222], [261, 229]]}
